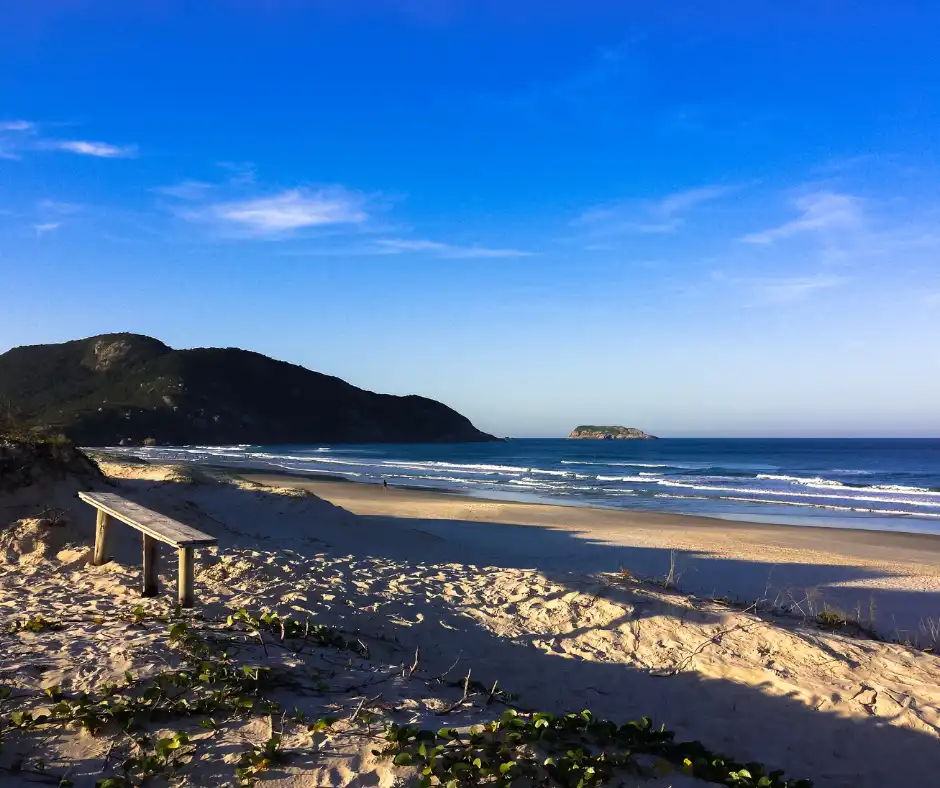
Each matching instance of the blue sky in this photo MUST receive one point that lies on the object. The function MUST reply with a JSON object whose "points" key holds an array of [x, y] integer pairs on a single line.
{"points": [[721, 222]]}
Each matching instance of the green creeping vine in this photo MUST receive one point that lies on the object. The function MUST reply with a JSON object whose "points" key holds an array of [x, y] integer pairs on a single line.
{"points": [[257, 759], [155, 758], [516, 745], [36, 623], [209, 685], [286, 627], [570, 751]]}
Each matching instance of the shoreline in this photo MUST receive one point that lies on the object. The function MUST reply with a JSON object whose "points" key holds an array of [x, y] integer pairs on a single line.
{"points": [[886, 582], [770, 520], [319, 484], [889, 489]]}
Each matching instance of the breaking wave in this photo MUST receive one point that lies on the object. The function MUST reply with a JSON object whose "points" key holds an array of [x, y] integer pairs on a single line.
{"points": [[710, 480]]}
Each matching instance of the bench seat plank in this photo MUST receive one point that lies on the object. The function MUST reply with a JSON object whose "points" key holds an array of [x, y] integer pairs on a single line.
{"points": [[152, 523]]}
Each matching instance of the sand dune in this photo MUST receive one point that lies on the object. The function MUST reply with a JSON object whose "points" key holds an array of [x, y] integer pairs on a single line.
{"points": [[465, 588]]}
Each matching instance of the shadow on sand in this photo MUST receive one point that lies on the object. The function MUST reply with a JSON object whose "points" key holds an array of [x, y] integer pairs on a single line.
{"points": [[744, 720]]}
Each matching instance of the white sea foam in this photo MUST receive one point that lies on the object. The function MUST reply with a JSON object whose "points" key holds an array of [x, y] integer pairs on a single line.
{"points": [[430, 477], [259, 455], [568, 474], [842, 494], [833, 507], [287, 467], [541, 483], [818, 481], [630, 464], [459, 465]]}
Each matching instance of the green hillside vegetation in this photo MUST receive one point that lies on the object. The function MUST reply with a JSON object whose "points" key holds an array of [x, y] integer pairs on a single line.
{"points": [[105, 389]]}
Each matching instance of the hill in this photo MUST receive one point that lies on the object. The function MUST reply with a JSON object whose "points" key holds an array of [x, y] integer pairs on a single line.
{"points": [[126, 387]]}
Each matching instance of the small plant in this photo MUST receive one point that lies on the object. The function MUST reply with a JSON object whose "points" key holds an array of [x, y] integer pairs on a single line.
{"points": [[930, 627], [53, 516], [153, 759], [671, 581], [285, 628], [830, 619], [257, 759], [37, 623]]}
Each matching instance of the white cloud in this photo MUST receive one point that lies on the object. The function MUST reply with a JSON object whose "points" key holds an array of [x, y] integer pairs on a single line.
{"points": [[819, 212], [684, 201], [23, 135], [294, 209], [582, 90], [12, 142], [102, 150], [59, 207], [788, 289], [243, 172], [185, 190], [665, 215], [46, 227], [402, 245]]}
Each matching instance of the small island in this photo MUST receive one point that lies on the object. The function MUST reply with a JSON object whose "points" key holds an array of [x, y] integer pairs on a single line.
{"points": [[594, 432]]}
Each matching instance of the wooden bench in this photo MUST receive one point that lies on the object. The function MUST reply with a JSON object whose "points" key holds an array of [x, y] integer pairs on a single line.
{"points": [[154, 527]]}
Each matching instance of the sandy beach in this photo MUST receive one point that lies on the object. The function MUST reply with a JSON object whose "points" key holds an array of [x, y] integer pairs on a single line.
{"points": [[847, 569], [469, 394], [550, 604]]}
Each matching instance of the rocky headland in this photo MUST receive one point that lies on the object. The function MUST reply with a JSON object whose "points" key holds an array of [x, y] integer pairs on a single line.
{"points": [[594, 432]]}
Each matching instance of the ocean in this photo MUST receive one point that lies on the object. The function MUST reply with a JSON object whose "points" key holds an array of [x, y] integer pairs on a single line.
{"points": [[879, 484]]}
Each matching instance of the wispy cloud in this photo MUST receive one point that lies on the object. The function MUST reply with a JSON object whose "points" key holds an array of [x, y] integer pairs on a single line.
{"points": [[18, 136], [446, 250], [17, 125], [14, 134], [51, 214], [665, 215], [101, 150], [787, 289], [286, 212], [185, 190], [399, 246], [683, 201], [59, 207], [784, 289], [584, 89], [242, 172], [821, 211]]}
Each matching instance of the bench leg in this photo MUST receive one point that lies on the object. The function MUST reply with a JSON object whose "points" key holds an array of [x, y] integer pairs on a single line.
{"points": [[150, 567], [187, 577], [101, 539]]}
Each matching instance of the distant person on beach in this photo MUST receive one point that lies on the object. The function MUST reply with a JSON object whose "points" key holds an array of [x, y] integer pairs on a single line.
{"points": [[384, 484]]}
